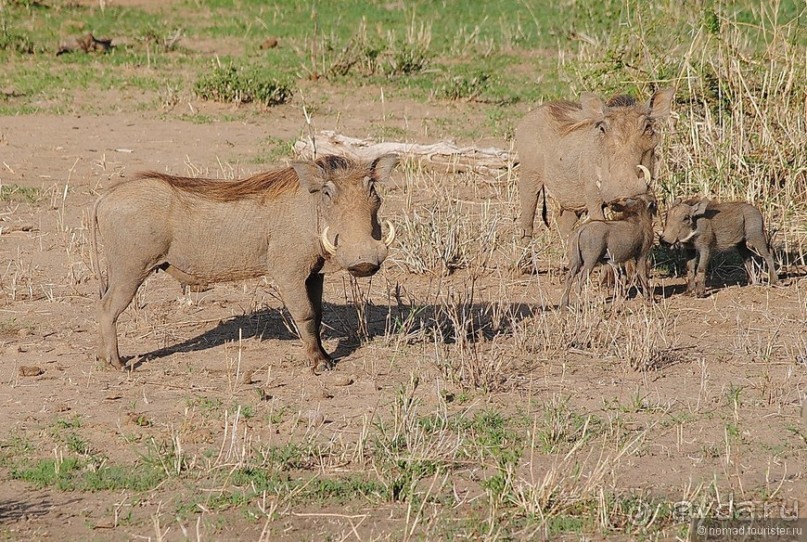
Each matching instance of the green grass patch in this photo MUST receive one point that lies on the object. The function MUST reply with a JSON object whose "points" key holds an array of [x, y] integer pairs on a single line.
{"points": [[73, 474], [243, 85], [20, 194], [339, 490]]}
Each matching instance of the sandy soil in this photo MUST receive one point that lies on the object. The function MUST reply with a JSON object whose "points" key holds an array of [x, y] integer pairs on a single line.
{"points": [[201, 346]]}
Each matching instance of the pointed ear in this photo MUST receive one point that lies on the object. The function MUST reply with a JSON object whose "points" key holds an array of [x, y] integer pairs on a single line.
{"points": [[699, 209], [310, 175], [593, 106], [383, 166], [675, 202], [660, 102]]}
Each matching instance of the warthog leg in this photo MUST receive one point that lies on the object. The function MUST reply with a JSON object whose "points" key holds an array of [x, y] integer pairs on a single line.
{"points": [[644, 280], [123, 285], [304, 302], [748, 250], [691, 258], [704, 253], [528, 196]]}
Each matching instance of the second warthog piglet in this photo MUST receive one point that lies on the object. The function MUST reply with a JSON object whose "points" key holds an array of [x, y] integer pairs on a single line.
{"points": [[613, 241], [703, 227]]}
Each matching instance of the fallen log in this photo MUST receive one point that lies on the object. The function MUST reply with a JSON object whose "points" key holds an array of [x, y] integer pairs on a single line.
{"points": [[442, 155]]}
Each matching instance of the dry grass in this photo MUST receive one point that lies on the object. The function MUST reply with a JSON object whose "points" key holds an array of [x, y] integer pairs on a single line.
{"points": [[465, 405]]}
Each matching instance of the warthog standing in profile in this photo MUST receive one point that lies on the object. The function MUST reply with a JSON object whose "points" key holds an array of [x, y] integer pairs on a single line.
{"points": [[628, 239], [292, 223], [586, 155], [701, 227]]}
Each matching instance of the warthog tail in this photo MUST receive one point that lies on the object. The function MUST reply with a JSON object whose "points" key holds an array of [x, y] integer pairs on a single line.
{"points": [[543, 209], [575, 256], [94, 260]]}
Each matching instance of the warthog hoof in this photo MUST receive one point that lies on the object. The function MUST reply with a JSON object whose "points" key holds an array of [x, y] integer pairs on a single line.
{"points": [[320, 365], [115, 363]]}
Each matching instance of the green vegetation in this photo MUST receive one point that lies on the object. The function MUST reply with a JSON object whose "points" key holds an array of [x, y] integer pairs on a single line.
{"points": [[469, 467], [22, 194], [72, 474], [489, 53], [230, 84]]}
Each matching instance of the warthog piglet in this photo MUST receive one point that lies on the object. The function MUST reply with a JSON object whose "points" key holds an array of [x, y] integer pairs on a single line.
{"points": [[628, 239], [703, 227]]}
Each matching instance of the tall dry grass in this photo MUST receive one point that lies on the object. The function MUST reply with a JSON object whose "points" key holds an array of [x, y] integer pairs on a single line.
{"points": [[740, 124]]}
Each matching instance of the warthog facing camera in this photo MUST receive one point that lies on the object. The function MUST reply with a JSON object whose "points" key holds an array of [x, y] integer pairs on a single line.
{"points": [[702, 227], [586, 155], [628, 239], [293, 224]]}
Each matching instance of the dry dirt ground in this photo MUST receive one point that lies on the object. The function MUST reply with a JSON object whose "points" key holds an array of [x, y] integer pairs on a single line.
{"points": [[721, 406]]}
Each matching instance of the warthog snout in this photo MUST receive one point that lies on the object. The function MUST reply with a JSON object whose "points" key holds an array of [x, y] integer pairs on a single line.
{"points": [[363, 269], [361, 259]]}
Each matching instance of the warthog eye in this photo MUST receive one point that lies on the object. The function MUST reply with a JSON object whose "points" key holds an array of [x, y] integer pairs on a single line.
{"points": [[648, 128], [327, 193], [601, 127]]}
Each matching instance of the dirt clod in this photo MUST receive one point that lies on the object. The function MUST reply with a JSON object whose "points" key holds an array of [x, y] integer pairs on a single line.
{"points": [[30, 370]]}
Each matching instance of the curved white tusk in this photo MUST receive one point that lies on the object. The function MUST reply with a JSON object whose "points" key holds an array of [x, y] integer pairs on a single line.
{"points": [[329, 247], [390, 237], [645, 173]]}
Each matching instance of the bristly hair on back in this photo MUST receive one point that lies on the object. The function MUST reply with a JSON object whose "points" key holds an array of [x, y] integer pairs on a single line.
{"points": [[621, 100], [263, 186], [568, 114]]}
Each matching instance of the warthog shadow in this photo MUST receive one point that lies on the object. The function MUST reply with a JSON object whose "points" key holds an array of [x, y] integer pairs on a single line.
{"points": [[725, 268], [12, 510], [354, 325]]}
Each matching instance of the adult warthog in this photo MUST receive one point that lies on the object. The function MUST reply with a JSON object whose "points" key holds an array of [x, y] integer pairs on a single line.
{"points": [[586, 155], [292, 223]]}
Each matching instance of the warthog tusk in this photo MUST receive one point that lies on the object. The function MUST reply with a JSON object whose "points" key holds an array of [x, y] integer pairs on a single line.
{"points": [[329, 247], [645, 173], [390, 234], [692, 234]]}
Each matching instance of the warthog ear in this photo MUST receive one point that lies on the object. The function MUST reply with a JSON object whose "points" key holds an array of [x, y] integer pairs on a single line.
{"points": [[699, 209], [311, 176], [675, 202], [660, 102], [593, 106], [383, 165]]}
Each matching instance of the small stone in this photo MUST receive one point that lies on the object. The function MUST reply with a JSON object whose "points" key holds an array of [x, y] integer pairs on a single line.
{"points": [[30, 370], [342, 380], [269, 43]]}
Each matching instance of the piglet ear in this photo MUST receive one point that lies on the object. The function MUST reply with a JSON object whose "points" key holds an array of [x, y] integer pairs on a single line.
{"points": [[675, 202], [699, 209], [310, 175], [383, 166]]}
